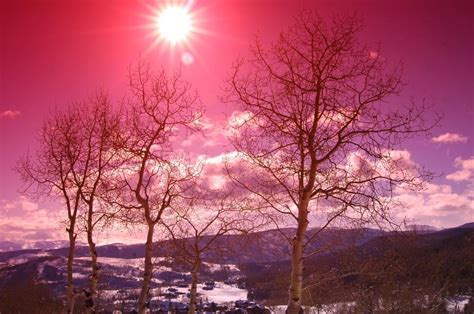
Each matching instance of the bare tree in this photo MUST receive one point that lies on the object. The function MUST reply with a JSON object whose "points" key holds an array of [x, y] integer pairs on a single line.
{"points": [[74, 154], [98, 124], [316, 133], [162, 107], [50, 171], [198, 223]]}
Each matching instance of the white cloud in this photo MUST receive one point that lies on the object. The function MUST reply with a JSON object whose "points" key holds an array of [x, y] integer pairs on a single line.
{"points": [[467, 164], [23, 220], [438, 205], [212, 136], [465, 172], [204, 123], [447, 138], [222, 158], [11, 114], [217, 182], [461, 175], [20, 205], [238, 118]]}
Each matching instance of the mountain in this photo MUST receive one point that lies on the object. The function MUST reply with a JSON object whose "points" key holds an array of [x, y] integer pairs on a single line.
{"points": [[422, 228], [407, 272], [469, 225], [267, 246], [350, 261], [121, 264], [34, 245], [9, 246], [47, 245]]}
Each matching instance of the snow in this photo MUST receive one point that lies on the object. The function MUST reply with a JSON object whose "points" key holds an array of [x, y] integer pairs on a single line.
{"points": [[457, 303], [120, 296], [23, 258], [121, 262], [223, 293], [79, 276], [325, 309], [217, 267]]}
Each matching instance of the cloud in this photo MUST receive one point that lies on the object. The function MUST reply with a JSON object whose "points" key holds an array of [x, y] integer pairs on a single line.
{"points": [[214, 174], [461, 175], [11, 114], [216, 133], [15, 206], [437, 205], [212, 136], [195, 140], [204, 123], [23, 219], [449, 138], [238, 118], [465, 172]]}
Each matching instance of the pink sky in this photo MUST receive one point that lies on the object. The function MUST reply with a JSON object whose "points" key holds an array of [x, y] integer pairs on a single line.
{"points": [[54, 52]]}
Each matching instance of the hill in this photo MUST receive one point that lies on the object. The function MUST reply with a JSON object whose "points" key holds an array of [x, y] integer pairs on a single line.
{"points": [[361, 264]]}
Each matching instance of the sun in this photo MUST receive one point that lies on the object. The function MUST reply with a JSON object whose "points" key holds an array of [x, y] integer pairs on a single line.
{"points": [[174, 24]]}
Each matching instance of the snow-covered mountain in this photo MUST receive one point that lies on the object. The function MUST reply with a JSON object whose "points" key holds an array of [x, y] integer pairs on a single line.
{"points": [[422, 228], [9, 246], [236, 273], [34, 245]]}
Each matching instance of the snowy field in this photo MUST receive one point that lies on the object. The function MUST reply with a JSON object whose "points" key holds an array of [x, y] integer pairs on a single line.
{"points": [[23, 258], [216, 267], [223, 293], [326, 309], [121, 262], [457, 303]]}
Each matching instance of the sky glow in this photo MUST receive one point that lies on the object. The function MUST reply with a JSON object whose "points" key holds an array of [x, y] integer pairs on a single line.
{"points": [[59, 51]]}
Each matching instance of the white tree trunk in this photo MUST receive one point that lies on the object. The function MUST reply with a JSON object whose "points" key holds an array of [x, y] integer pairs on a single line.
{"points": [[70, 293], [94, 279], [297, 250], [193, 292], [148, 270]]}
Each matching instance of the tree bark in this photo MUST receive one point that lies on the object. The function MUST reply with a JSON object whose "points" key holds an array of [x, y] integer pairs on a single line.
{"points": [[193, 292], [142, 301], [70, 293], [296, 279], [94, 279]]}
